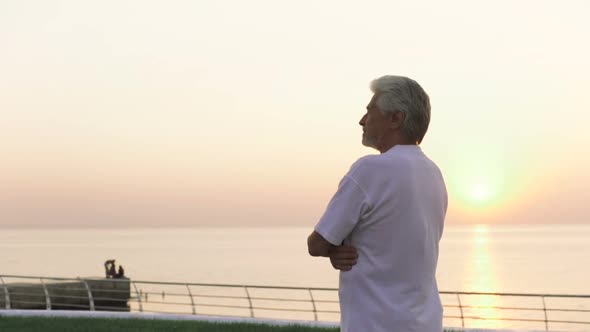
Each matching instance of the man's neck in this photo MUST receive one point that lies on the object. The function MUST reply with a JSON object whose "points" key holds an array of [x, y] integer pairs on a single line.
{"points": [[386, 147]]}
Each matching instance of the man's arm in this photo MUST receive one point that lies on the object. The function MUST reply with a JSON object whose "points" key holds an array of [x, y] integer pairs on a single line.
{"points": [[342, 257], [318, 246]]}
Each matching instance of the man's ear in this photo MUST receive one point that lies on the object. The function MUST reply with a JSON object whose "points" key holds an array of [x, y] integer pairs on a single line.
{"points": [[397, 120]]}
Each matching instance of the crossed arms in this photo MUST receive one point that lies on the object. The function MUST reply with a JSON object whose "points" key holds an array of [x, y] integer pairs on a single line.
{"points": [[342, 257]]}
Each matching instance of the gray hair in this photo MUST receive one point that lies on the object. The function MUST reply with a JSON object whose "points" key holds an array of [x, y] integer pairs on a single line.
{"points": [[402, 94]]}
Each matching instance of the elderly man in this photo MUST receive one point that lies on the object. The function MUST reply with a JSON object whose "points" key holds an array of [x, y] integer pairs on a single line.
{"points": [[383, 226]]}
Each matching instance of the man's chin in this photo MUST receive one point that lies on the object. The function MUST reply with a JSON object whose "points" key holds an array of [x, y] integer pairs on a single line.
{"points": [[368, 144]]}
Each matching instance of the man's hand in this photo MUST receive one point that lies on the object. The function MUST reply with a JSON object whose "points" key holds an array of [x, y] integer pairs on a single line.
{"points": [[343, 257]]}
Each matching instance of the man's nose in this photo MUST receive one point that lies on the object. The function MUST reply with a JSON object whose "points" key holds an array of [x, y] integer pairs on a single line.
{"points": [[362, 121]]}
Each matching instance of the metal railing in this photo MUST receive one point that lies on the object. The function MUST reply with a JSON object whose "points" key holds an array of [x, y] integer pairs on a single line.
{"points": [[561, 312]]}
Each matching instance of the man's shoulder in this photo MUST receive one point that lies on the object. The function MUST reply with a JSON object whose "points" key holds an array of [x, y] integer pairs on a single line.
{"points": [[378, 164], [367, 165], [365, 162]]}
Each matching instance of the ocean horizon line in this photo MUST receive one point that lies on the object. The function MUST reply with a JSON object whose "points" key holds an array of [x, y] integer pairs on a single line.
{"points": [[270, 226]]}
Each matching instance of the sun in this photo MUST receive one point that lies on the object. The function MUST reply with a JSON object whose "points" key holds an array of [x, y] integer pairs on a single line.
{"points": [[484, 183], [480, 193], [481, 180]]}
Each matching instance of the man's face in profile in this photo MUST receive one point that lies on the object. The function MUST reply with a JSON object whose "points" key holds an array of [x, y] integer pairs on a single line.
{"points": [[374, 124]]}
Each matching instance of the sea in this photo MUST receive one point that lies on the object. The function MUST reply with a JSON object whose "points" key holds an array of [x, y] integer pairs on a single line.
{"points": [[539, 259]]}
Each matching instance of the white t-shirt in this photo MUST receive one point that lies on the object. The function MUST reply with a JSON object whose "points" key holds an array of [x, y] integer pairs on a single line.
{"points": [[391, 207]]}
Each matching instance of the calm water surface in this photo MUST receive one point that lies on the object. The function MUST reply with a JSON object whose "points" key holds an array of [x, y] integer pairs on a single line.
{"points": [[519, 259], [539, 258]]}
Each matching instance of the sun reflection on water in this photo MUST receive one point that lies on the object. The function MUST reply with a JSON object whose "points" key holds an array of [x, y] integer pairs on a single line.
{"points": [[483, 280]]}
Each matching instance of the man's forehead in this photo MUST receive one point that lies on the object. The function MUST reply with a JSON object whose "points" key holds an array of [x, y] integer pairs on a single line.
{"points": [[373, 101]]}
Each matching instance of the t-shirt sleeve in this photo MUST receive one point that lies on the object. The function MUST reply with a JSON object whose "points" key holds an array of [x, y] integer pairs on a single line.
{"points": [[343, 212]]}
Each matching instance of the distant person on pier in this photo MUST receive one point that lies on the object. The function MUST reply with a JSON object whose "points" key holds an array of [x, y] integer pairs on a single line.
{"points": [[120, 273], [383, 225], [109, 267]]}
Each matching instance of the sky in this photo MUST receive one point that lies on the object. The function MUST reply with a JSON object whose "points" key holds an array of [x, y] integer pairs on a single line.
{"points": [[245, 113]]}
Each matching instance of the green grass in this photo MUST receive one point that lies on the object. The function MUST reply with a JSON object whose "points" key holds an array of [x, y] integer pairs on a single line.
{"points": [[59, 324], [51, 324]]}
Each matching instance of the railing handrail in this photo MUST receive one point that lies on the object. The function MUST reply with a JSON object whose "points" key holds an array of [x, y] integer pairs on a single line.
{"points": [[287, 287], [515, 294], [134, 295]]}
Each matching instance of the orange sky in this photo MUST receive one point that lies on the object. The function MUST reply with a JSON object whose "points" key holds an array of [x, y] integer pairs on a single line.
{"points": [[246, 113]]}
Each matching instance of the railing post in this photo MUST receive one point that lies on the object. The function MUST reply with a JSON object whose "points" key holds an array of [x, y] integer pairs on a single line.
{"points": [[249, 301], [6, 294], [138, 296], [461, 310], [90, 298], [315, 312], [545, 312], [47, 298], [192, 300]]}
